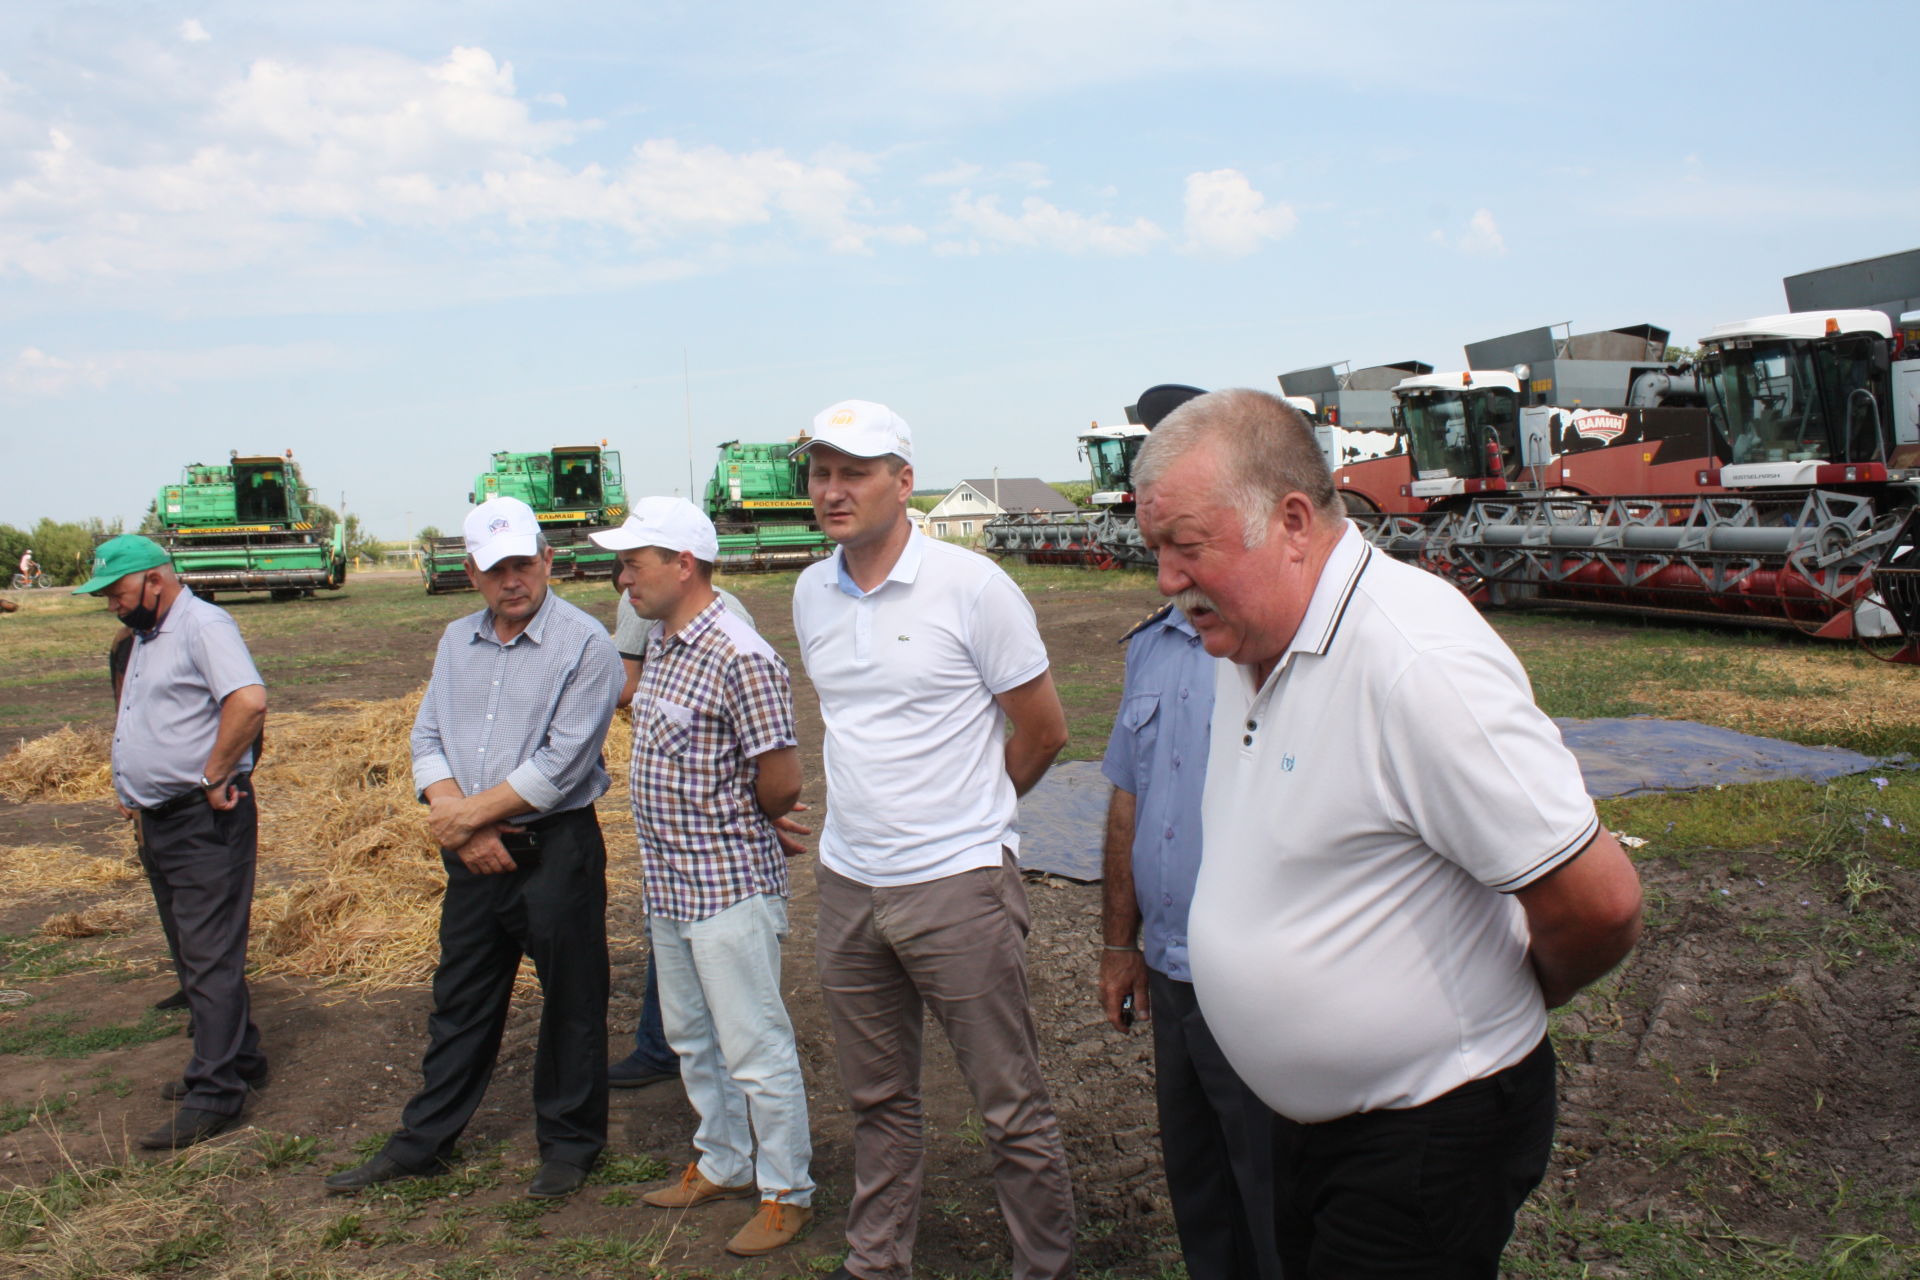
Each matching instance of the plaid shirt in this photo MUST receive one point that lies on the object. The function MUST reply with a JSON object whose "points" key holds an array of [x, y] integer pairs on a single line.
{"points": [[711, 698]]}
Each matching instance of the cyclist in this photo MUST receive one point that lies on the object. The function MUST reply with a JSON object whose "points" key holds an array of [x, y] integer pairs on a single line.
{"points": [[29, 567]]}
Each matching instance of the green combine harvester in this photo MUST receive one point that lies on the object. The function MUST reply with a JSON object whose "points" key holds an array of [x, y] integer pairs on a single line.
{"points": [[245, 526], [758, 502], [574, 490]]}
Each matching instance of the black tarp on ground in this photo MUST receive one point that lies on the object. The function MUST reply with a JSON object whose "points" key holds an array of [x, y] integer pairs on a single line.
{"points": [[1062, 820]]}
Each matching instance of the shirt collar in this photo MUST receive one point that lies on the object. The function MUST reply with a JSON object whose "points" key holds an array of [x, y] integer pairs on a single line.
{"points": [[1177, 620], [174, 610], [1331, 592], [536, 628], [1338, 577], [697, 626], [905, 569]]}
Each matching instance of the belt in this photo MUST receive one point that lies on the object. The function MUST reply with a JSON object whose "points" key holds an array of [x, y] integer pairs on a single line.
{"points": [[186, 800], [566, 817]]}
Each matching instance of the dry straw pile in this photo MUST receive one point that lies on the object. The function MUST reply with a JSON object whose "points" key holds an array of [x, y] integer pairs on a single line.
{"points": [[350, 880], [64, 765]]}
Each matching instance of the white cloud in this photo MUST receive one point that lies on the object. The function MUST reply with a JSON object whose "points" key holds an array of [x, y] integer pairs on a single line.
{"points": [[954, 175], [1481, 238], [318, 155], [34, 372], [1225, 215], [1040, 225], [193, 33]]}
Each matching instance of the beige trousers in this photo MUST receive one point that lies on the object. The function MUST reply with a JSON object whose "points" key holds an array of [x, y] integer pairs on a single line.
{"points": [[958, 947]]}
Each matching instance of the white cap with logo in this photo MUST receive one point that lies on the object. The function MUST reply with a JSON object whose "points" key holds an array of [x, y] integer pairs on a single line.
{"points": [[672, 524], [499, 528], [860, 429]]}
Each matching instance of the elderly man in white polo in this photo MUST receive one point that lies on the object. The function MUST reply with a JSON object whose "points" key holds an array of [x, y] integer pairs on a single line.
{"points": [[1400, 870], [922, 654]]}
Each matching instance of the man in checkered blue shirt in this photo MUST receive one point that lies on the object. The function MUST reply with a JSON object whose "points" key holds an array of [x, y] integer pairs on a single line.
{"points": [[714, 765]]}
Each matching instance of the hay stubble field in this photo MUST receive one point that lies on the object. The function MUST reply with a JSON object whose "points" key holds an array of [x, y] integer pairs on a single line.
{"points": [[1738, 1099]]}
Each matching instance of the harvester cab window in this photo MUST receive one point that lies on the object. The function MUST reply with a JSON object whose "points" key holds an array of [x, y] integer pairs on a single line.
{"points": [[1497, 413], [1854, 383], [259, 495], [1767, 395], [1111, 463], [1437, 426], [576, 481]]}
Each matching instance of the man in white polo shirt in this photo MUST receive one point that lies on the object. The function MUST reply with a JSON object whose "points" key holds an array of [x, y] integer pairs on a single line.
{"points": [[1401, 870], [922, 653]]}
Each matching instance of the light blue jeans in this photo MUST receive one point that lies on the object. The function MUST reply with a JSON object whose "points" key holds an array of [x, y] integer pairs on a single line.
{"points": [[720, 999]]}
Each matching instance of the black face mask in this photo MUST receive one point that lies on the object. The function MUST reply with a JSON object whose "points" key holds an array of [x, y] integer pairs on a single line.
{"points": [[143, 617]]}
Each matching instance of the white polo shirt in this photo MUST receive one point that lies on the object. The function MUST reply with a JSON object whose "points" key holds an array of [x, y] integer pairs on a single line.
{"points": [[915, 750], [1367, 812]]}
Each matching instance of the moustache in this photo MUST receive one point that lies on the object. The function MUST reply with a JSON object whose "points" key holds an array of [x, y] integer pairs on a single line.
{"points": [[1193, 599]]}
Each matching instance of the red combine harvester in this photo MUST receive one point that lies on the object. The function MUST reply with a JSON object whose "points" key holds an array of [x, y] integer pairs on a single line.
{"points": [[1804, 515]]}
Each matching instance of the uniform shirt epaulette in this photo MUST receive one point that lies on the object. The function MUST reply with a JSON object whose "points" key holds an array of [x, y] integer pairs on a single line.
{"points": [[1147, 621]]}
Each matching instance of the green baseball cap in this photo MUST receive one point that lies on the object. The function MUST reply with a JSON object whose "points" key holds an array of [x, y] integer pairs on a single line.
{"points": [[117, 557]]}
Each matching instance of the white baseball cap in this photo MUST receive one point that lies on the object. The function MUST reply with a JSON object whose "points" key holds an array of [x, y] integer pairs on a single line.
{"points": [[499, 528], [860, 429], [672, 524]]}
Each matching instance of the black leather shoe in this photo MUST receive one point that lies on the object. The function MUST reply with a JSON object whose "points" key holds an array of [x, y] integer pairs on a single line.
{"points": [[382, 1168], [166, 1004], [174, 1090], [556, 1178], [629, 1074], [188, 1126]]}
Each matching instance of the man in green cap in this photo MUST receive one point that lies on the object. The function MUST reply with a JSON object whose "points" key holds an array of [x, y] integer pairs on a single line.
{"points": [[191, 709]]}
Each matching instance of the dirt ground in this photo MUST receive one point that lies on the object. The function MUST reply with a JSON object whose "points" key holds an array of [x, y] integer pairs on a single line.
{"points": [[1745, 1083]]}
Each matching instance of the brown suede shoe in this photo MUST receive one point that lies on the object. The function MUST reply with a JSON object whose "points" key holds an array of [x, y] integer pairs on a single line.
{"points": [[693, 1188], [774, 1226]]}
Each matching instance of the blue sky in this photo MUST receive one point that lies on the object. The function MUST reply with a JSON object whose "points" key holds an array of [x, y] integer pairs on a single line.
{"points": [[395, 237]]}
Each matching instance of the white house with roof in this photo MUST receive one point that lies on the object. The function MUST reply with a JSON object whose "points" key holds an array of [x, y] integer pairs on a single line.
{"points": [[964, 512]]}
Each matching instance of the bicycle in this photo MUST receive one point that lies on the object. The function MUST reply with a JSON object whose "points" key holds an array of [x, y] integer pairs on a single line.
{"points": [[22, 582]]}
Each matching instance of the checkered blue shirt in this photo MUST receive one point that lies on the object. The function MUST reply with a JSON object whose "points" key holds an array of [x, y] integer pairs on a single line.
{"points": [[532, 713], [712, 696]]}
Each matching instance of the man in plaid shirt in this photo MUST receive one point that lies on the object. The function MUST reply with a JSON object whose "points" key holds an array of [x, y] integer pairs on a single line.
{"points": [[714, 764]]}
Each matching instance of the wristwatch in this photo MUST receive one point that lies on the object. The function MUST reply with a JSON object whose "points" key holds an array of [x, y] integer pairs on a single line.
{"points": [[206, 784]]}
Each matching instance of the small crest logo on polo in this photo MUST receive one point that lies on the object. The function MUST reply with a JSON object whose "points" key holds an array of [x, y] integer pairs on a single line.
{"points": [[1286, 762], [844, 418], [498, 525]]}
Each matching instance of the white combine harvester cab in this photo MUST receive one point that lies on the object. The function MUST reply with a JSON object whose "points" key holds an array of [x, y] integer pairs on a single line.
{"points": [[1462, 429], [1109, 452], [1811, 399]]}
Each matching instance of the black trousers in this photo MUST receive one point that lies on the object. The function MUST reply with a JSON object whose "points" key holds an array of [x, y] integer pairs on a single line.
{"points": [[199, 862], [553, 908], [1427, 1192], [1216, 1139]]}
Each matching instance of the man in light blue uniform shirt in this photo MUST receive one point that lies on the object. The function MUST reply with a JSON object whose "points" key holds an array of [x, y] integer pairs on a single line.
{"points": [[1216, 1137]]}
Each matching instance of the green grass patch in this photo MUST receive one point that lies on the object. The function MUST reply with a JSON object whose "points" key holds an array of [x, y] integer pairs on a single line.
{"points": [[1832, 822], [616, 1170], [52, 1035], [1555, 1239], [15, 1117], [24, 959]]}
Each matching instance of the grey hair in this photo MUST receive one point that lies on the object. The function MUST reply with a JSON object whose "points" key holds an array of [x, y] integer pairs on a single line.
{"points": [[1265, 448], [539, 541]]}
